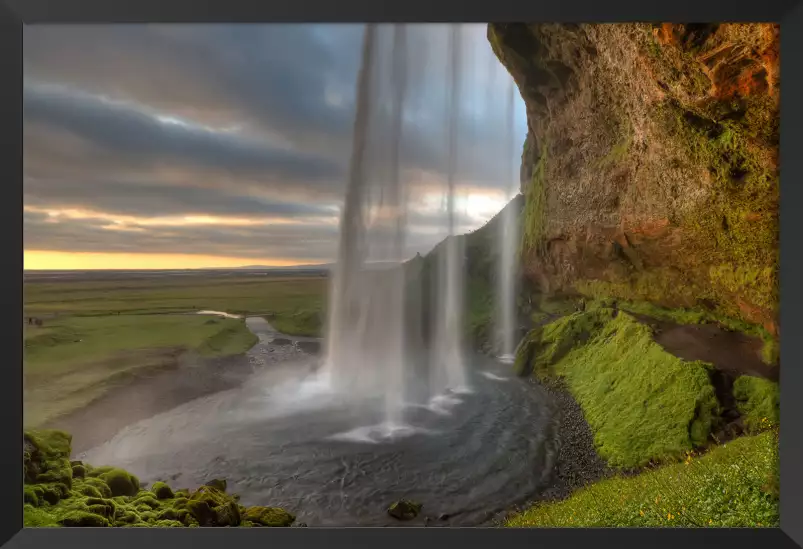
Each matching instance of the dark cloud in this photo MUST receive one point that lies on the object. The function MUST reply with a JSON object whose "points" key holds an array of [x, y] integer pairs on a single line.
{"points": [[140, 134], [305, 242], [234, 120], [154, 199]]}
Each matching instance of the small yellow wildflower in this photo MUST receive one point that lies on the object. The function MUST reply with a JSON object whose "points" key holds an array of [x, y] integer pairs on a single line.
{"points": [[641, 512], [710, 521]]}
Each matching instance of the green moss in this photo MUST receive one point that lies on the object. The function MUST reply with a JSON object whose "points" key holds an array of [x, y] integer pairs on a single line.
{"points": [[162, 490], [109, 496], [404, 509], [83, 518], [120, 482], [96, 472], [731, 486], [758, 400], [37, 518], [534, 224], [618, 152], [32, 495], [211, 507], [268, 516], [643, 404], [632, 301], [544, 346], [99, 485], [218, 484], [737, 228], [47, 457], [146, 499], [168, 524]]}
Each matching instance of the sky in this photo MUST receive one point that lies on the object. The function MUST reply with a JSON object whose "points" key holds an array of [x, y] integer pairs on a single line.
{"points": [[223, 145]]}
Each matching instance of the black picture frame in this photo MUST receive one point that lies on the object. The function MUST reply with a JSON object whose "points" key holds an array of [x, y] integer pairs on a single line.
{"points": [[16, 13]]}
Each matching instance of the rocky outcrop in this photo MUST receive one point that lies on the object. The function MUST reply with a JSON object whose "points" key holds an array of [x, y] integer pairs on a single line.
{"points": [[650, 168]]}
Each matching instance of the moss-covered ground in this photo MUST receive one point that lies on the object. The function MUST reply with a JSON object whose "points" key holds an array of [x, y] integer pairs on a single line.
{"points": [[599, 296], [758, 401], [58, 492], [649, 408], [733, 485], [643, 404]]}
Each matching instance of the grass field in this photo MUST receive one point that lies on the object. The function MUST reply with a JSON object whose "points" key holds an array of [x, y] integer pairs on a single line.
{"points": [[734, 485], [257, 295], [96, 334]]}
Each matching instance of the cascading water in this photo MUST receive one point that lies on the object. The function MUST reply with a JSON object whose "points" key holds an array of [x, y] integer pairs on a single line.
{"points": [[448, 360], [366, 341], [508, 235]]}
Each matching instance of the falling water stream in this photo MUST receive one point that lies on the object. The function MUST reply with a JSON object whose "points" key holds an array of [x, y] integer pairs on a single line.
{"points": [[508, 240], [366, 351], [335, 440]]}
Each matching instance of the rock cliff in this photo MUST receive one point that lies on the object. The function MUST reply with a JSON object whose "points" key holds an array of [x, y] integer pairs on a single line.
{"points": [[650, 168]]}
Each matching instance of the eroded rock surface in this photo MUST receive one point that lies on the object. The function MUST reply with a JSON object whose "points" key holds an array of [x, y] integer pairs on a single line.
{"points": [[650, 168]]}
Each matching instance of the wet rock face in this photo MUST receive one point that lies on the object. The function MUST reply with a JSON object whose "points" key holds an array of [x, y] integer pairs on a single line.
{"points": [[650, 167]]}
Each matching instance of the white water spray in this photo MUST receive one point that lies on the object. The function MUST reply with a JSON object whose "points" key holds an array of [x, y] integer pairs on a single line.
{"points": [[366, 354], [448, 357], [508, 235]]}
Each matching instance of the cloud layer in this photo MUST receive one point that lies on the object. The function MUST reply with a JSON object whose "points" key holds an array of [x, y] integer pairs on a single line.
{"points": [[234, 140]]}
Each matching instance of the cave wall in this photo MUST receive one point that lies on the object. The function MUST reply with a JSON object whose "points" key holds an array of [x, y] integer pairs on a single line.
{"points": [[650, 168]]}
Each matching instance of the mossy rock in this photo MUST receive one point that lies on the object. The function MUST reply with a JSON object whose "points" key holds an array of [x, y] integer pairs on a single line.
{"points": [[120, 482], [51, 493], [83, 518], [404, 509], [179, 502], [78, 471], [218, 484], [103, 507], [268, 516], [146, 499], [96, 472], [99, 485], [168, 524], [168, 514], [127, 516], [46, 457], [32, 495], [147, 516], [162, 491], [37, 518], [211, 507]]}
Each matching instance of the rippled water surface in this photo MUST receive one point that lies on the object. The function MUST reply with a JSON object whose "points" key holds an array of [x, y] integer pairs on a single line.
{"points": [[281, 440]]}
